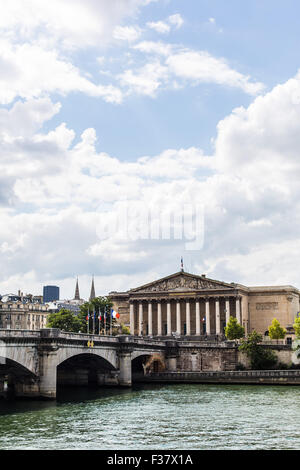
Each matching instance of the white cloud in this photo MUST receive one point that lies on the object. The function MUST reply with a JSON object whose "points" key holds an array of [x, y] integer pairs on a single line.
{"points": [[184, 66], [249, 188], [146, 80], [159, 26], [202, 67], [164, 27], [127, 33], [74, 24], [30, 71], [176, 20]]}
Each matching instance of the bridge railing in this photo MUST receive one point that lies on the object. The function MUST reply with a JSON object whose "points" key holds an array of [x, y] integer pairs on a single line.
{"points": [[20, 333]]}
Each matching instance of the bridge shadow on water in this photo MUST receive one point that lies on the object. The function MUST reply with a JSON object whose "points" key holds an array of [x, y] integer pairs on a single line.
{"points": [[73, 395]]}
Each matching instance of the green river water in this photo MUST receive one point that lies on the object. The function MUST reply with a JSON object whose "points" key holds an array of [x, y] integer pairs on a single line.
{"points": [[193, 417]]}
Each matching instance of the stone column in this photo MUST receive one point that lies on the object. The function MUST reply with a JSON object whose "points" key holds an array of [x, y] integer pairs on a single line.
{"points": [[178, 318], [198, 324], [227, 307], [140, 319], [125, 377], [169, 324], [48, 372], [218, 322], [150, 332], [131, 310], [159, 319], [207, 316], [188, 318], [238, 310]]}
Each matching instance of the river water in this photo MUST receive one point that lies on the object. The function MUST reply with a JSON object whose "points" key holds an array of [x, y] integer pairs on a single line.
{"points": [[174, 417]]}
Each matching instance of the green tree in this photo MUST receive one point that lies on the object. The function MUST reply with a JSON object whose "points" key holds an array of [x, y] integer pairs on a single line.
{"points": [[260, 357], [98, 307], [275, 330], [234, 330], [65, 320], [296, 327], [125, 330]]}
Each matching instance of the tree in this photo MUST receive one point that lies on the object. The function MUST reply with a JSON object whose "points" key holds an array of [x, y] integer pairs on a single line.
{"points": [[260, 357], [296, 327], [125, 330], [234, 330], [275, 330], [98, 307], [65, 320]]}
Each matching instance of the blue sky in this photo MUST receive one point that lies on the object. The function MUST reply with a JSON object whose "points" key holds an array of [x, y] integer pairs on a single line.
{"points": [[161, 103]]}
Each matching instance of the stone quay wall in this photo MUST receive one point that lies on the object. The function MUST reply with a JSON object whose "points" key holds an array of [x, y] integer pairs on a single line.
{"points": [[254, 377]]}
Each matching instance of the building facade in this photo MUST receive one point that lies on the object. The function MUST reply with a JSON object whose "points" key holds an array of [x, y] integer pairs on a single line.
{"points": [[192, 305], [16, 314]]}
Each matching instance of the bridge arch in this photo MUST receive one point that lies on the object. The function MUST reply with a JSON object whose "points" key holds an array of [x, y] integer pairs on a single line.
{"points": [[17, 369], [147, 362], [24, 359], [86, 368], [107, 355]]}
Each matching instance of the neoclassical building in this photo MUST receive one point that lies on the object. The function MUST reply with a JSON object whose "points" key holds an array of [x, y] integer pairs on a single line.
{"points": [[193, 305]]}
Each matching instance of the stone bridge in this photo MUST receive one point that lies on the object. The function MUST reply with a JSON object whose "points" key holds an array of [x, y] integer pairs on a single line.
{"points": [[33, 362]]}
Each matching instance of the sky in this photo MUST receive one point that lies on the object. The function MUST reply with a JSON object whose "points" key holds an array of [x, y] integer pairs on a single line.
{"points": [[137, 132]]}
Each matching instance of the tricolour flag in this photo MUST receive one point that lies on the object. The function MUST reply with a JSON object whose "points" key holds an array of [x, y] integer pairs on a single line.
{"points": [[114, 314]]}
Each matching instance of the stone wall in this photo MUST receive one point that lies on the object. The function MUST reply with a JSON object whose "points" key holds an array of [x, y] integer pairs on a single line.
{"points": [[206, 358]]}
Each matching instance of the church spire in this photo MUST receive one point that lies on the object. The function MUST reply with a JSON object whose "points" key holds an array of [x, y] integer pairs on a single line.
{"points": [[92, 295], [77, 295]]}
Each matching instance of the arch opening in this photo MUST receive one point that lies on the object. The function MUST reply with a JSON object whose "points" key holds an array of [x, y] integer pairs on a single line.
{"points": [[86, 370], [16, 380], [146, 364]]}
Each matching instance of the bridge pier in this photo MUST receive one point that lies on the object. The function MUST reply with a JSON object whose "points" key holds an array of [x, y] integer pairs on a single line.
{"points": [[171, 355], [28, 389], [107, 378], [48, 371], [125, 377]]}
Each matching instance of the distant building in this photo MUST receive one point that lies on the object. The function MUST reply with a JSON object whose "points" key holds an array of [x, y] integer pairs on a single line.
{"points": [[50, 293], [22, 312], [72, 305], [193, 305]]}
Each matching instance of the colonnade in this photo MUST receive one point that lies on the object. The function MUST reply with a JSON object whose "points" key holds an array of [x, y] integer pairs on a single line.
{"points": [[141, 315]]}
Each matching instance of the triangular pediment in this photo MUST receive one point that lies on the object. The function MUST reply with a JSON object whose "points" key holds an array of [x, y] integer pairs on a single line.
{"points": [[182, 282]]}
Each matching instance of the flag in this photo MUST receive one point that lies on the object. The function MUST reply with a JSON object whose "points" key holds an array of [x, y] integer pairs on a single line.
{"points": [[88, 316], [181, 263], [114, 314]]}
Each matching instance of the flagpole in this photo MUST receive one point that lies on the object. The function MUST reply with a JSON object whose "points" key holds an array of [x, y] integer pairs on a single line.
{"points": [[105, 321], [99, 318], [93, 320], [110, 323], [88, 321]]}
